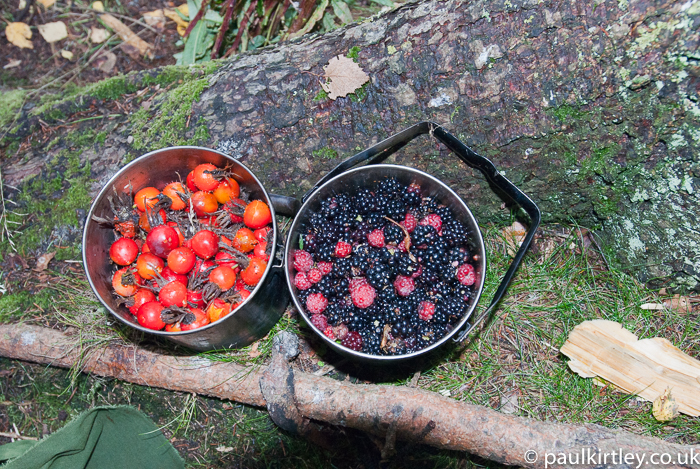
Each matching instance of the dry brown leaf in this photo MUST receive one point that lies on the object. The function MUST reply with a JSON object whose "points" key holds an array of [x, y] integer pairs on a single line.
{"points": [[155, 18], [47, 3], [133, 45], [665, 407], [343, 77], [53, 32], [98, 35], [173, 15], [105, 62], [678, 303], [12, 64], [514, 236], [42, 263], [19, 35], [254, 353]]}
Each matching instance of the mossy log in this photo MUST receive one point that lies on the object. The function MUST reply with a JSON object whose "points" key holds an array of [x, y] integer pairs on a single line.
{"points": [[590, 107], [391, 412]]}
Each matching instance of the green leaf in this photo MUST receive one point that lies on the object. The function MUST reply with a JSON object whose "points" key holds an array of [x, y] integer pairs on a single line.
{"points": [[386, 3], [328, 22], [213, 16], [256, 42], [195, 43], [260, 9], [342, 11]]}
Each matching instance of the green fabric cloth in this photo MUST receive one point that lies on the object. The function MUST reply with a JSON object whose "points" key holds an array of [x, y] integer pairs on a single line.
{"points": [[100, 438]]}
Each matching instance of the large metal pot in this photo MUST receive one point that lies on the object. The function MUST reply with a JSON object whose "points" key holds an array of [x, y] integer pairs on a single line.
{"points": [[345, 179], [260, 311]]}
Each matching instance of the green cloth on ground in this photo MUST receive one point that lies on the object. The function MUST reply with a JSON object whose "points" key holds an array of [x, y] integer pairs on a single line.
{"points": [[103, 437]]}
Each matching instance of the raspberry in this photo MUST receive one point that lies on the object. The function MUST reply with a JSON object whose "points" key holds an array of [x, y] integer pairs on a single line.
{"points": [[316, 303], [418, 271], [409, 222], [320, 321], [376, 238], [325, 267], [301, 281], [363, 296], [303, 261], [404, 285], [355, 283], [353, 341], [433, 220], [466, 274], [314, 275], [343, 249], [426, 310], [340, 331], [328, 332]]}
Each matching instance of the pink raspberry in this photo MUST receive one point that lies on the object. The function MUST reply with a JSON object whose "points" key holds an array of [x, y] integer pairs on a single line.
{"points": [[325, 267], [466, 274], [404, 285], [328, 332], [409, 222], [433, 220], [320, 321], [375, 238], [340, 331], [355, 283], [303, 260], [363, 296], [301, 281], [316, 303], [426, 310], [314, 275], [343, 249], [353, 341]]}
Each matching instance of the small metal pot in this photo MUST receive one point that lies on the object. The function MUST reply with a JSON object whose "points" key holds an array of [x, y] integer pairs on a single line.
{"points": [[345, 179], [258, 313]]}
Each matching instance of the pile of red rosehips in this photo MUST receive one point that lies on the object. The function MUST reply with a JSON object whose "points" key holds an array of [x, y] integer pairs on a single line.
{"points": [[191, 253]]}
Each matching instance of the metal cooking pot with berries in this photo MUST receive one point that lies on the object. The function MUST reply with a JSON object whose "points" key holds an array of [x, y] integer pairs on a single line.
{"points": [[386, 262], [214, 313]]}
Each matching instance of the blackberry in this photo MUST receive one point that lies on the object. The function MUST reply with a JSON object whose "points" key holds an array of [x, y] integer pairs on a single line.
{"points": [[336, 312], [395, 209], [412, 199], [428, 205], [364, 202], [402, 328], [375, 220], [423, 235], [454, 307], [379, 275], [309, 242], [359, 235], [393, 234], [389, 186], [358, 321], [371, 342], [342, 266], [330, 208], [444, 213], [325, 252], [317, 220], [329, 234], [387, 294], [425, 334], [381, 205], [406, 266], [346, 221], [454, 233], [458, 255]]}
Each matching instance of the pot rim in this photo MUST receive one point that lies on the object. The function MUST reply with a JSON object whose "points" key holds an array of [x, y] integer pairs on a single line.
{"points": [[108, 187], [310, 199]]}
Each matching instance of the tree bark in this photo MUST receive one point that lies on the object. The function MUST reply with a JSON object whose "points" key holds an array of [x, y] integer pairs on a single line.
{"points": [[590, 107], [386, 411]]}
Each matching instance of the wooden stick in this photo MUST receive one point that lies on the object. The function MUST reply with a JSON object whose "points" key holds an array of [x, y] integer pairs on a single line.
{"points": [[406, 413]]}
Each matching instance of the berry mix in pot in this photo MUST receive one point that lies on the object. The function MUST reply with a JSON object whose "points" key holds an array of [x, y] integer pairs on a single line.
{"points": [[384, 271], [189, 254]]}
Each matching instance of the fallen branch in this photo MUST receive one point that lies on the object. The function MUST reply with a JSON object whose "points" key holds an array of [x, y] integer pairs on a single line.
{"points": [[388, 411]]}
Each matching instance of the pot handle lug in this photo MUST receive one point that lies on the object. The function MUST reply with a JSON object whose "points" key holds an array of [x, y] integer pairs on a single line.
{"points": [[380, 151], [284, 205]]}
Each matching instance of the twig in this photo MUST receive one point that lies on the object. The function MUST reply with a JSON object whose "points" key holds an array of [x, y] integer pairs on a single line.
{"points": [[17, 436]]}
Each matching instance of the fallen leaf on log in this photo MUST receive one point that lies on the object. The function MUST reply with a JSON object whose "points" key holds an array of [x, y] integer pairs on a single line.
{"points": [[643, 367], [133, 45], [105, 62], [19, 35], [344, 77], [665, 407], [42, 263], [173, 15], [155, 18], [53, 32]]}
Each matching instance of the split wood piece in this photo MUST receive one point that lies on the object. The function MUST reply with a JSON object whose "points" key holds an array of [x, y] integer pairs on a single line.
{"points": [[133, 45], [388, 411], [643, 367]]}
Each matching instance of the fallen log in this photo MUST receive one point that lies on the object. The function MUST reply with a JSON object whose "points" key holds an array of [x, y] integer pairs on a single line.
{"points": [[386, 411]]}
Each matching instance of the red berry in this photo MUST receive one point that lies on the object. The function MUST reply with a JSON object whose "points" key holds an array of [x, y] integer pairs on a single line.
{"points": [[356, 282], [466, 274], [343, 249], [314, 275], [409, 222], [404, 285], [340, 331], [301, 281], [426, 310], [325, 267], [303, 261], [376, 238], [320, 321], [328, 332], [363, 296], [316, 303], [353, 341], [433, 220]]}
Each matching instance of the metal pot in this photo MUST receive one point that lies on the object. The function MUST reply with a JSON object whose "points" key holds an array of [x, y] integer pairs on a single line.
{"points": [[345, 179], [258, 313]]}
